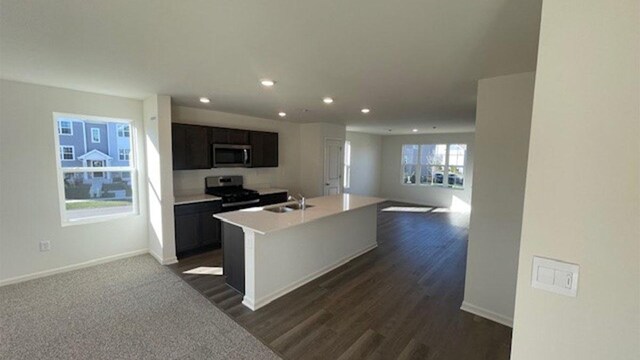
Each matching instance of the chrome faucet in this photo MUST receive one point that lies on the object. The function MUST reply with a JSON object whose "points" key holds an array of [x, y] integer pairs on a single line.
{"points": [[301, 202]]}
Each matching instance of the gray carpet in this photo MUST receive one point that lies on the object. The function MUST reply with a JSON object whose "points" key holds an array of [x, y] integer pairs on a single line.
{"points": [[128, 309]]}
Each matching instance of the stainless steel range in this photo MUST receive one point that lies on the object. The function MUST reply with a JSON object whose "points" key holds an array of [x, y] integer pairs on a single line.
{"points": [[229, 188]]}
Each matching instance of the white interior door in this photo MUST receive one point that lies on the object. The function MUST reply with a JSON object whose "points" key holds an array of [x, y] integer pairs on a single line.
{"points": [[333, 158]]}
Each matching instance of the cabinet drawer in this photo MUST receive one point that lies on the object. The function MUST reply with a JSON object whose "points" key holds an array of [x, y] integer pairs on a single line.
{"points": [[207, 206], [273, 199]]}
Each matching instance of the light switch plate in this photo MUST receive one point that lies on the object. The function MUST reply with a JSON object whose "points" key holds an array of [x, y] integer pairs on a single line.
{"points": [[556, 276]]}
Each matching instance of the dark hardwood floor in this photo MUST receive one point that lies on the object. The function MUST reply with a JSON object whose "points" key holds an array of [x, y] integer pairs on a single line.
{"points": [[399, 301]]}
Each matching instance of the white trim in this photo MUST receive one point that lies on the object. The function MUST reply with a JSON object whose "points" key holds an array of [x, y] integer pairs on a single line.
{"points": [[63, 269], [61, 152], [419, 165], [324, 163], [93, 141], [159, 259], [58, 127], [487, 314], [132, 168], [255, 304]]}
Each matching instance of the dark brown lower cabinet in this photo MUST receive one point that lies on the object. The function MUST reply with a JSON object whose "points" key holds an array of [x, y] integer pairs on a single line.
{"points": [[233, 256], [271, 199], [196, 228]]}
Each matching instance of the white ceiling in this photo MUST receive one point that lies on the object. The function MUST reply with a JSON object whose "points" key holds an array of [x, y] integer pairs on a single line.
{"points": [[415, 63]]}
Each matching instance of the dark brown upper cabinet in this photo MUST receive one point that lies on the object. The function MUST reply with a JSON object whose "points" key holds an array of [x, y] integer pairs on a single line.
{"points": [[191, 147], [264, 149], [229, 136]]}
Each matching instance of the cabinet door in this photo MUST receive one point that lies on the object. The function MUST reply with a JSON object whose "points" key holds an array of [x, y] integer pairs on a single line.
{"points": [[179, 146], [264, 149], [198, 149], [210, 228], [270, 150], [219, 135], [238, 137], [273, 199], [256, 139], [187, 232], [190, 145], [233, 259]]}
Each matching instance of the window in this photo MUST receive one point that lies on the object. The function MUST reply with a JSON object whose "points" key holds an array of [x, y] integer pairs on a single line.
{"points": [[67, 153], [436, 164], [347, 164], [95, 135], [123, 130], [123, 154], [409, 163], [91, 188], [65, 127]]}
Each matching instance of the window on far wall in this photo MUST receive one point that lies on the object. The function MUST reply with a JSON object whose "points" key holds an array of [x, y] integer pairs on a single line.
{"points": [[65, 127], [123, 130], [434, 164], [347, 164], [95, 135], [94, 185], [123, 154], [67, 153]]}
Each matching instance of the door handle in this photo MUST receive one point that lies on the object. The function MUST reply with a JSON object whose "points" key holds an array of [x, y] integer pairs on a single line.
{"points": [[327, 184]]}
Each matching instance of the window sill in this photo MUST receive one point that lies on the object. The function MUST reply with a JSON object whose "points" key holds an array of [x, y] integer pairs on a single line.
{"points": [[98, 219]]}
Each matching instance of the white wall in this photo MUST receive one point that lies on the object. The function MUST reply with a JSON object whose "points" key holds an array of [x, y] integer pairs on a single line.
{"points": [[312, 137], [582, 197], [366, 162], [29, 208], [286, 175], [159, 181], [503, 121], [391, 185]]}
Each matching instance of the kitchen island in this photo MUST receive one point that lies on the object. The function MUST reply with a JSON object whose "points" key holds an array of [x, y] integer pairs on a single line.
{"points": [[267, 253]]}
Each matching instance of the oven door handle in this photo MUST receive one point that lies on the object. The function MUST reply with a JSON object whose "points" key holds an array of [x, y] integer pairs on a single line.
{"points": [[255, 201]]}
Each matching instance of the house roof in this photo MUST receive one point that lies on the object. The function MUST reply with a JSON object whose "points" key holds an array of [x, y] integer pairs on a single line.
{"points": [[95, 155]]}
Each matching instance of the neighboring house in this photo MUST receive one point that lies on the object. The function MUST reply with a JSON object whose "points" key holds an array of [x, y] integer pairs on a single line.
{"points": [[94, 144]]}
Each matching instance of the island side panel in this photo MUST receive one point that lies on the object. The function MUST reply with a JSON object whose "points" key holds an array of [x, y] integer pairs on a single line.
{"points": [[287, 259], [233, 255]]}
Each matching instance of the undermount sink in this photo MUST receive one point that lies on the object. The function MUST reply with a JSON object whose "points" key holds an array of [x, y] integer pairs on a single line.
{"points": [[278, 209], [297, 206], [286, 208]]}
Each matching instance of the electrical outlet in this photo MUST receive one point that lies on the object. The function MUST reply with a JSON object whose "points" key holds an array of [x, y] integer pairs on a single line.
{"points": [[45, 245]]}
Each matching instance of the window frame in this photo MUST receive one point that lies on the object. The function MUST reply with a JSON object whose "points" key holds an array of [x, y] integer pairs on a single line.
{"points": [[127, 154], [73, 152], [61, 171], [445, 180], [346, 181], [94, 131], [120, 128], [58, 125]]}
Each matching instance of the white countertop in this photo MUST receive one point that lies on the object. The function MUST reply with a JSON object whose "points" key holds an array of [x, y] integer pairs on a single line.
{"points": [[264, 222], [190, 199]]}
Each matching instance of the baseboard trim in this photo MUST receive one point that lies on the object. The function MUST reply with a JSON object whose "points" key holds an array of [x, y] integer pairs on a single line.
{"points": [[106, 259], [162, 261], [258, 303], [487, 314]]}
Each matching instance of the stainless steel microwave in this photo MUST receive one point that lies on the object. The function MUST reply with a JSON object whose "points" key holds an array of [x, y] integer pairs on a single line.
{"points": [[225, 155]]}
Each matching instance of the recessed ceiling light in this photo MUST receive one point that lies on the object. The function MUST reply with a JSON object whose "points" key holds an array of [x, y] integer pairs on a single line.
{"points": [[205, 100], [267, 82], [415, 130], [282, 114], [365, 111], [327, 100]]}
